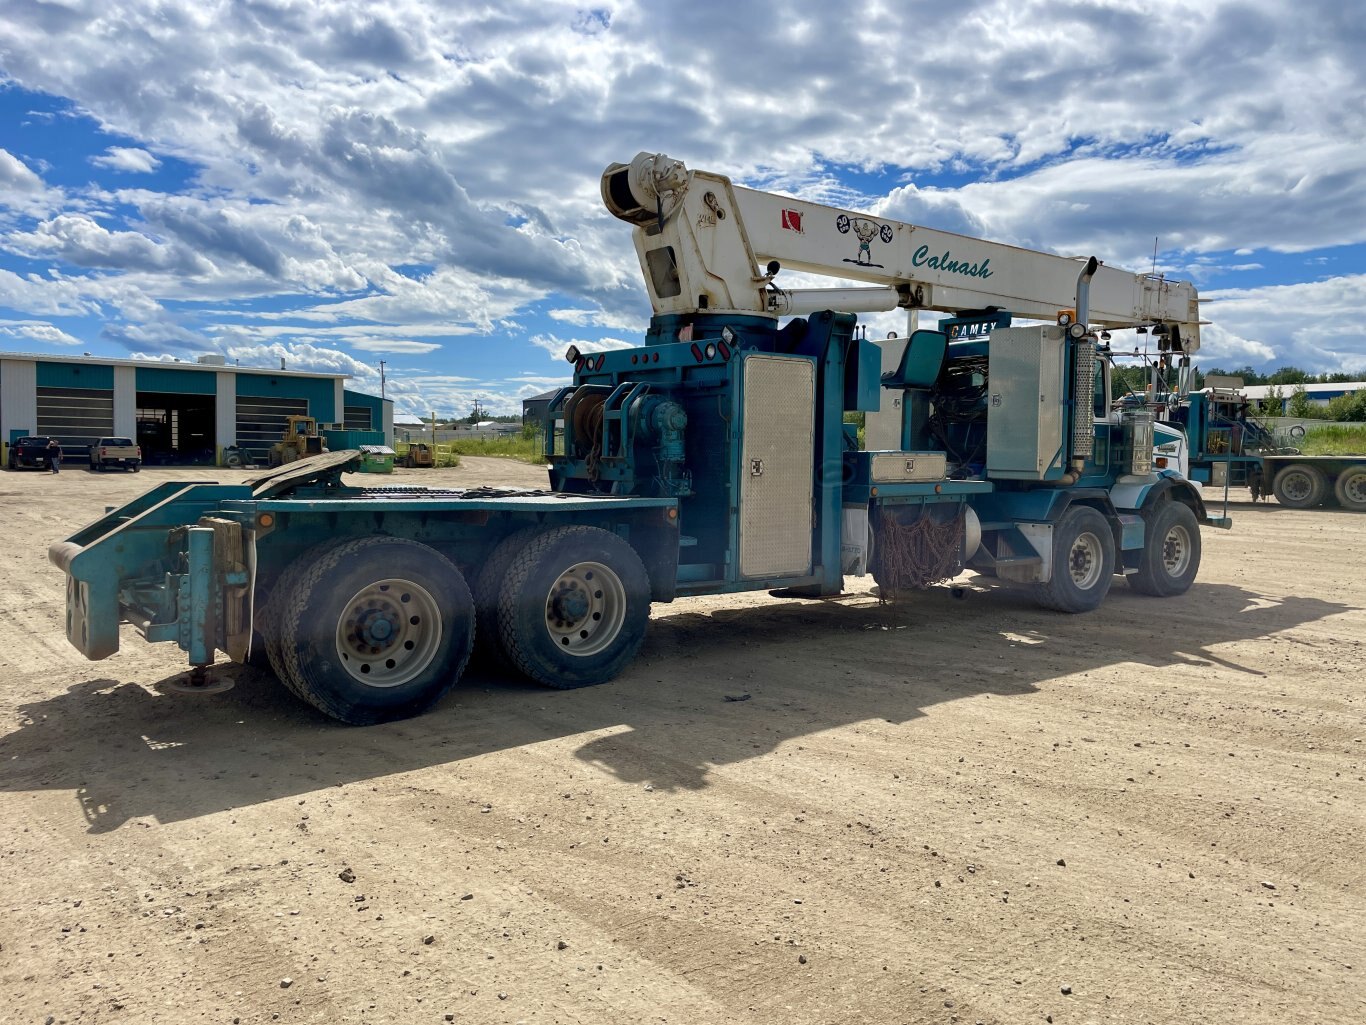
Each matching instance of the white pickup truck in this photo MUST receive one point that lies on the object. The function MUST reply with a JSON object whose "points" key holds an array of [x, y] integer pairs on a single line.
{"points": [[120, 452]]}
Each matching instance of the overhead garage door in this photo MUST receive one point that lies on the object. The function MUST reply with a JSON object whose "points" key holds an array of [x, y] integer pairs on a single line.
{"points": [[261, 421], [358, 418], [76, 416]]}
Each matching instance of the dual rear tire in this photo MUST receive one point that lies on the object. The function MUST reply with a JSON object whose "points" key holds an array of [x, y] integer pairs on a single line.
{"points": [[374, 629], [370, 629]]}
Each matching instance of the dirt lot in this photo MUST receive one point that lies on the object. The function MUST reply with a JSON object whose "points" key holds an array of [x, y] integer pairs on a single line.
{"points": [[942, 811]]}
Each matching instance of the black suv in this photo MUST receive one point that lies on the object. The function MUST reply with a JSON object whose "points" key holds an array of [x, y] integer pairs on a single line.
{"points": [[29, 452]]}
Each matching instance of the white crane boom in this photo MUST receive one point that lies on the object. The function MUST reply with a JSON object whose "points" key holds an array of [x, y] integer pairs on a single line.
{"points": [[706, 244]]}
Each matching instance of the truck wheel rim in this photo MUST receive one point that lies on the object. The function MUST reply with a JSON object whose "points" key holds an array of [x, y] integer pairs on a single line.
{"points": [[1296, 486], [1354, 487], [585, 609], [1084, 561], [388, 633], [1176, 551]]}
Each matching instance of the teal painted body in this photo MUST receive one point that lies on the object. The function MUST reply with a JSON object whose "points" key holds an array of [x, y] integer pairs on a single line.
{"points": [[717, 450]]}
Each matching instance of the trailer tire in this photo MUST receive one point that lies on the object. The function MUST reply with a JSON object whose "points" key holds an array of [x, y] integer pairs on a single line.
{"points": [[1171, 552], [376, 629], [268, 616], [488, 641], [1083, 562], [1350, 489], [573, 607], [1300, 486]]}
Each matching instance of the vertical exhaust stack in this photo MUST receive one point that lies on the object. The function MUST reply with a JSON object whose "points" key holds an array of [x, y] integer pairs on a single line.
{"points": [[1083, 372]]}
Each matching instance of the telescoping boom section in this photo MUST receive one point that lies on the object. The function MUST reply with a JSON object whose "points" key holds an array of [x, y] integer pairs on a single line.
{"points": [[713, 457], [708, 245]]}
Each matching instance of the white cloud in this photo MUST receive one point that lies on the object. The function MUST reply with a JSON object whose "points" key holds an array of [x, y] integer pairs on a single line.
{"points": [[16, 175], [38, 331], [615, 320], [22, 191], [127, 158], [1246, 320], [334, 142], [77, 239], [393, 345], [556, 346]]}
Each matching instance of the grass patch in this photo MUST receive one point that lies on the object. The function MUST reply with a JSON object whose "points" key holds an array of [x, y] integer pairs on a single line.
{"points": [[1338, 440], [516, 446]]}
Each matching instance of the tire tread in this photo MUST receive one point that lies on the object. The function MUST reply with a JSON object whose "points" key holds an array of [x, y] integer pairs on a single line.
{"points": [[522, 567], [327, 558]]}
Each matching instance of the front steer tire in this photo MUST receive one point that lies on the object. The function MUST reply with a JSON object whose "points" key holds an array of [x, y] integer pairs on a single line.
{"points": [[1083, 562], [375, 629], [573, 608], [1170, 558]]}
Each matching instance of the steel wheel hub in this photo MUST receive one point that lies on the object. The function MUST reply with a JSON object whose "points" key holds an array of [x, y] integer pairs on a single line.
{"points": [[388, 633], [1296, 486], [1176, 551], [585, 608], [1084, 561], [1355, 488]]}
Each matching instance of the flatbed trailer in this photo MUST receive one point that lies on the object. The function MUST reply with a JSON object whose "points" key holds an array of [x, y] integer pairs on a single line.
{"points": [[1229, 447]]}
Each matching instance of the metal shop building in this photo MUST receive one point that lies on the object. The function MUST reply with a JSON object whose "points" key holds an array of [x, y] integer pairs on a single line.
{"points": [[178, 412]]}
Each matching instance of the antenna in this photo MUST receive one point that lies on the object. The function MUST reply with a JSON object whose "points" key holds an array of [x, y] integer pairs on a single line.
{"points": [[1154, 256]]}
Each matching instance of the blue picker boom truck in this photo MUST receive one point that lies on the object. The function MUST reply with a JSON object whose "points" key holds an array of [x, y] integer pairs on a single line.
{"points": [[712, 458]]}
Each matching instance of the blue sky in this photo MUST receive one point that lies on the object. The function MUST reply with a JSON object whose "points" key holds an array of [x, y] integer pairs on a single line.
{"points": [[337, 183]]}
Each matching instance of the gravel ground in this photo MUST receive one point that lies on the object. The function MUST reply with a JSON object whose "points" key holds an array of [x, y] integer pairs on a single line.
{"points": [[938, 811]]}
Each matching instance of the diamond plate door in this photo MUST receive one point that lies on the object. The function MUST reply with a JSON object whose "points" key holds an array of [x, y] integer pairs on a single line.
{"points": [[778, 431]]}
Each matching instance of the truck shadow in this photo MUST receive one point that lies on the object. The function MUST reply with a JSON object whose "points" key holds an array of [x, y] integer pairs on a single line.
{"points": [[711, 687]]}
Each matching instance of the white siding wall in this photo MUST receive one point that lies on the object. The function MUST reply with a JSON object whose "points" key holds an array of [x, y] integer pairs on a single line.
{"points": [[18, 397], [126, 402], [225, 410], [388, 406], [338, 401]]}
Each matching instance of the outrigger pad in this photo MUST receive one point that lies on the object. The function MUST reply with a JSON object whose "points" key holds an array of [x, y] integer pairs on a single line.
{"points": [[301, 472]]}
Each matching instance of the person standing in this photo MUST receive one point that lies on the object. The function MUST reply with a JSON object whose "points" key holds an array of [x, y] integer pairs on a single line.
{"points": [[54, 456]]}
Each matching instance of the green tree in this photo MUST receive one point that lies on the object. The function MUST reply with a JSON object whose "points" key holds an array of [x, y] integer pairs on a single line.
{"points": [[1288, 375], [1300, 405], [1273, 404], [1347, 408], [1248, 375], [1128, 379]]}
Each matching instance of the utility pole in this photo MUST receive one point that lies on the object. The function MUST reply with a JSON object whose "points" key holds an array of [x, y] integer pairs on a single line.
{"points": [[381, 380]]}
